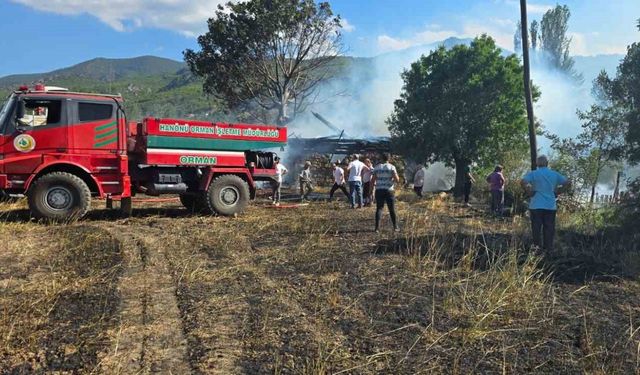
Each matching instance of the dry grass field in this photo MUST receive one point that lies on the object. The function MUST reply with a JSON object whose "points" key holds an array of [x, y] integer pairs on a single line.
{"points": [[313, 290]]}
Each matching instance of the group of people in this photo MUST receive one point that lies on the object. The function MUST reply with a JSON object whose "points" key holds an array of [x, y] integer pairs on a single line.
{"points": [[367, 184], [304, 178], [360, 176], [541, 185]]}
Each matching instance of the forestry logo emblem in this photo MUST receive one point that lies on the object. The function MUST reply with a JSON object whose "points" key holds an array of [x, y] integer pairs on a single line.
{"points": [[24, 143]]}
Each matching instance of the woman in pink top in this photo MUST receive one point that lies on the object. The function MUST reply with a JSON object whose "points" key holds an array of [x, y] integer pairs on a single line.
{"points": [[496, 182]]}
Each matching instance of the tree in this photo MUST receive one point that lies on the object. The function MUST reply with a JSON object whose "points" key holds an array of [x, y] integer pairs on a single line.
{"points": [[461, 105], [517, 38], [625, 90], [268, 55], [600, 145], [554, 27], [533, 30]]}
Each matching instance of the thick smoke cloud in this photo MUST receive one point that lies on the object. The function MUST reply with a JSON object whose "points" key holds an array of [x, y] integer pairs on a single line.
{"points": [[362, 99]]}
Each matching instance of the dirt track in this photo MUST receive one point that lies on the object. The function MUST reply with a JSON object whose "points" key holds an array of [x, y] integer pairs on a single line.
{"points": [[308, 290]]}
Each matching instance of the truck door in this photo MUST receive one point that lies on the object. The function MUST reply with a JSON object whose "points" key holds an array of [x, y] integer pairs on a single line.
{"points": [[96, 136], [95, 127], [41, 130], [6, 110]]}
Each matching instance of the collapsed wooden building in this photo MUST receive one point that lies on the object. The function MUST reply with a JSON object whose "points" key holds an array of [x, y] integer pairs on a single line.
{"points": [[322, 151], [339, 146]]}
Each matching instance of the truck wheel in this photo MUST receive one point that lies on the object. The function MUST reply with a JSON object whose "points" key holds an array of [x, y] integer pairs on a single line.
{"points": [[195, 202], [228, 195], [59, 196]]}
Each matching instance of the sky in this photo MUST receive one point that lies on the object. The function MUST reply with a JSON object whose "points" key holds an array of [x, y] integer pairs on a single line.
{"points": [[43, 35]]}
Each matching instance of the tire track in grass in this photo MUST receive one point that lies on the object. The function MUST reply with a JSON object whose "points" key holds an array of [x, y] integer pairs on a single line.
{"points": [[279, 333], [237, 318], [209, 291], [149, 337]]}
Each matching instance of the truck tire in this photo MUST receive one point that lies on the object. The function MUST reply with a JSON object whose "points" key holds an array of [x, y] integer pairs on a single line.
{"points": [[59, 196], [228, 195], [195, 202]]}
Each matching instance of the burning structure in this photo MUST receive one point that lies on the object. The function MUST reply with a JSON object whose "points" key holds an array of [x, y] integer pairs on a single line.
{"points": [[339, 144], [323, 151]]}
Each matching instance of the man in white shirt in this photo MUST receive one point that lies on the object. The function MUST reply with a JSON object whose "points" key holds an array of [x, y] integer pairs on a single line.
{"points": [[338, 181], [355, 169], [385, 176], [281, 170]]}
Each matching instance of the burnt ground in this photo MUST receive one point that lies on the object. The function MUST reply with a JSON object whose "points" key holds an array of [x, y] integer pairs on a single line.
{"points": [[312, 290]]}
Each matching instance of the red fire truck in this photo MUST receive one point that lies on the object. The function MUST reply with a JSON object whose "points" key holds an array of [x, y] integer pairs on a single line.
{"points": [[62, 148]]}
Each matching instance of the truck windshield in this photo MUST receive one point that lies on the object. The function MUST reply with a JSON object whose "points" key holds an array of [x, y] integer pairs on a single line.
{"points": [[4, 111]]}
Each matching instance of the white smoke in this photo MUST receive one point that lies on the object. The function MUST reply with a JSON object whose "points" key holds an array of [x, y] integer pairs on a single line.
{"points": [[361, 101], [561, 97]]}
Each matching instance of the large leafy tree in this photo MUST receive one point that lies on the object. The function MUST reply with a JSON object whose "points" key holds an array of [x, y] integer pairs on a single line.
{"points": [[461, 105], [268, 56]]}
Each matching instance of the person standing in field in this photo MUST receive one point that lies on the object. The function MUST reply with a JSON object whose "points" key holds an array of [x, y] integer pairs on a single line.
{"points": [[305, 181], [355, 169], [367, 190], [418, 180], [469, 180], [281, 170], [338, 181], [384, 177], [496, 182], [542, 185]]}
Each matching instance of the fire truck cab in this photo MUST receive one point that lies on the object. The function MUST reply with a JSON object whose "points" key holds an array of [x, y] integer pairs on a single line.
{"points": [[62, 148]]}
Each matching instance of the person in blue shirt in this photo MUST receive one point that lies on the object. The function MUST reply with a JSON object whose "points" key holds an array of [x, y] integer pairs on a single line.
{"points": [[542, 186]]}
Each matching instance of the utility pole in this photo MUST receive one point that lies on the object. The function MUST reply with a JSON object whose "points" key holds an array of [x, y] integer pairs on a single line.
{"points": [[527, 84]]}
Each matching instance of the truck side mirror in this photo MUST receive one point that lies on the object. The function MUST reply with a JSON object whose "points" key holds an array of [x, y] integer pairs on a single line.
{"points": [[21, 126], [20, 110]]}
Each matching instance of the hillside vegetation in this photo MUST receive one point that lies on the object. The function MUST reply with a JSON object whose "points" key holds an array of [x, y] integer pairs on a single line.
{"points": [[151, 86]]}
